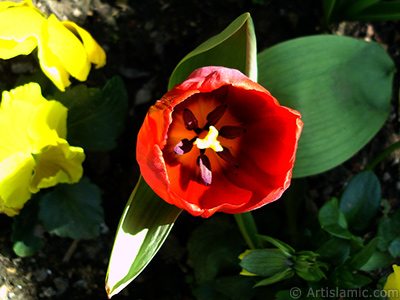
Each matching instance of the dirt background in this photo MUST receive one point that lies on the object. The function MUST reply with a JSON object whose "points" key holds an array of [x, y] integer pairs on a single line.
{"points": [[144, 40]]}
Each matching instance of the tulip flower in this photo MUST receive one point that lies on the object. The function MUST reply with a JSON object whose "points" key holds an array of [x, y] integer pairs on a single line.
{"points": [[33, 151], [64, 48], [392, 286], [218, 142]]}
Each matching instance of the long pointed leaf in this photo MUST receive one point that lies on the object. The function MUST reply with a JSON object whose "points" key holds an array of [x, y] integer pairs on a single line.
{"points": [[340, 85], [143, 228], [382, 11], [357, 6], [235, 47]]}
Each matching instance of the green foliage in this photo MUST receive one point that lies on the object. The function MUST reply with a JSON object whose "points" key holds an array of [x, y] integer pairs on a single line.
{"points": [[96, 117], [73, 210], [389, 232], [341, 86], [266, 262], [248, 228], [377, 260], [361, 257], [235, 47], [27, 230], [143, 228], [360, 10], [333, 220], [235, 287], [335, 251], [213, 251], [361, 200]]}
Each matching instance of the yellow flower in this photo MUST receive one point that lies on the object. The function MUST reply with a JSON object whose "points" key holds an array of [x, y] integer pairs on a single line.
{"points": [[33, 151], [392, 286], [64, 48]]}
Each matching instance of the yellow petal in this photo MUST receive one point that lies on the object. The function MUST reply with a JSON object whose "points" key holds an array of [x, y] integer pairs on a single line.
{"points": [[15, 176], [48, 123], [95, 53], [50, 64], [241, 256], [11, 48], [7, 4], [68, 48], [30, 93], [14, 121], [247, 273], [57, 163], [20, 28], [53, 68], [392, 286]]}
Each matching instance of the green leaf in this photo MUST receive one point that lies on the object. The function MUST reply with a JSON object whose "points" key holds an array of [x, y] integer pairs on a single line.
{"points": [[214, 247], [266, 262], [143, 228], [361, 200], [358, 280], [235, 47], [377, 260], [285, 248], [333, 221], [380, 11], [394, 247], [328, 6], [95, 118], [248, 228], [355, 7], [361, 257], [288, 273], [341, 86], [27, 232], [388, 230], [235, 287], [73, 210], [335, 251], [345, 278]]}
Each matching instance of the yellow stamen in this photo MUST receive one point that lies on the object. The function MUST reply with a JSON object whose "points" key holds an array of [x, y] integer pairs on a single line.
{"points": [[210, 141]]}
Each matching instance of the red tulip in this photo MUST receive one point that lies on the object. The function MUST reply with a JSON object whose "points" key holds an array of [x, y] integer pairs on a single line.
{"points": [[218, 142]]}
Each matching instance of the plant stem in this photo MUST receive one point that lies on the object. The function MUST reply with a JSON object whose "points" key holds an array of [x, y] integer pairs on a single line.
{"points": [[248, 228], [382, 156]]}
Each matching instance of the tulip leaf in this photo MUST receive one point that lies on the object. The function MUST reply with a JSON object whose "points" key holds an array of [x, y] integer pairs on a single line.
{"points": [[143, 228], [361, 200], [73, 210], [360, 10], [27, 230], [235, 47], [341, 86], [95, 117]]}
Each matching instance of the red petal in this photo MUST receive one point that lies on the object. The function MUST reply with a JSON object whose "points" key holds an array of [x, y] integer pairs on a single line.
{"points": [[265, 156]]}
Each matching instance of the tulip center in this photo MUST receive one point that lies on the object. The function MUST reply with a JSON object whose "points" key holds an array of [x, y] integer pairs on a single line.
{"points": [[210, 141], [208, 126]]}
